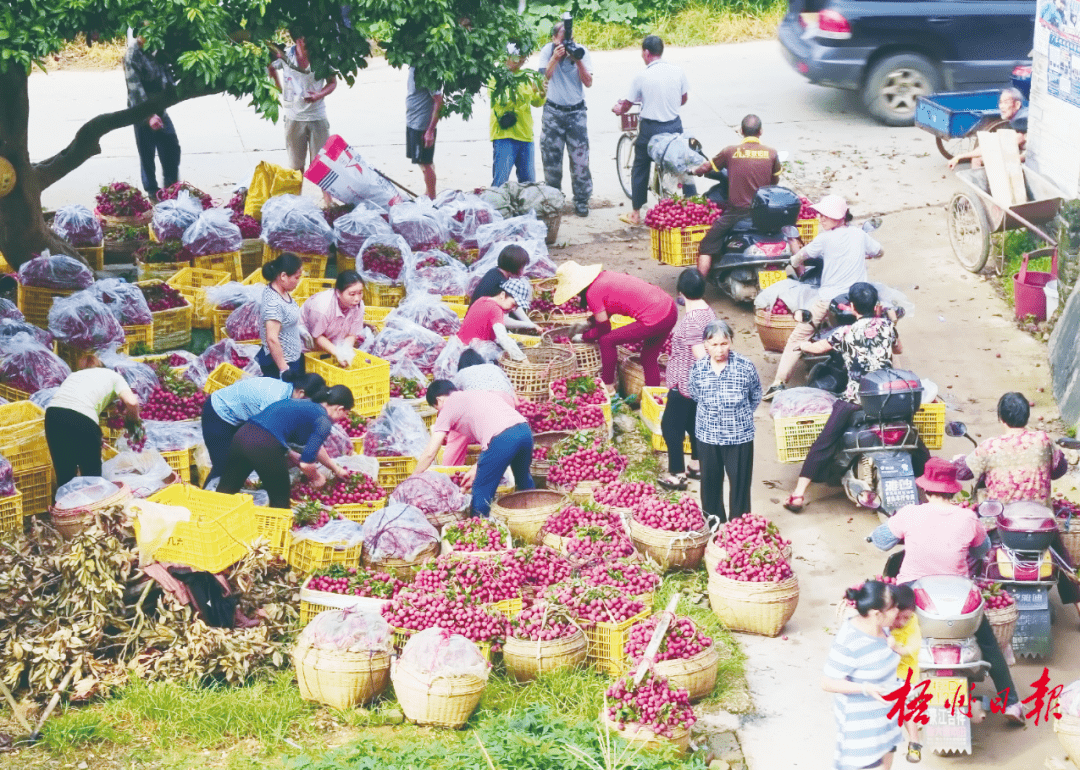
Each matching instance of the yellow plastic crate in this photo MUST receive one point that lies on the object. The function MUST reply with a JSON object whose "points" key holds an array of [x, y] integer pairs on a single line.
{"points": [[619, 321], [808, 229], [606, 643], [219, 533], [250, 256], [309, 287], [313, 602], [139, 334], [181, 460], [368, 377], [11, 513], [172, 328], [253, 278], [359, 512], [223, 376], [22, 436], [394, 470], [37, 486], [307, 556], [795, 435], [193, 282], [158, 271], [456, 299], [655, 245], [35, 303], [508, 607], [525, 340], [94, 256], [344, 262], [375, 315], [767, 278], [930, 422], [274, 524], [383, 294], [678, 246], [314, 264], [13, 394], [460, 308], [227, 262], [652, 413], [4, 266]]}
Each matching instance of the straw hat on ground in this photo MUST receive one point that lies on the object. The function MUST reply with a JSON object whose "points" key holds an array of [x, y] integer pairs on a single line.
{"points": [[573, 279]]}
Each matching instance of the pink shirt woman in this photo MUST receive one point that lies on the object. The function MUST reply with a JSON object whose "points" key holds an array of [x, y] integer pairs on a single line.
{"points": [[335, 317]]}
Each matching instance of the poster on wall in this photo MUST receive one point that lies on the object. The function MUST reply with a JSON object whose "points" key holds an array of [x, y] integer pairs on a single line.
{"points": [[1063, 69], [1057, 17]]}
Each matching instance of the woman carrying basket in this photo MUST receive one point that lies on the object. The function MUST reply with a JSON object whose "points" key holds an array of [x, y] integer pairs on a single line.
{"points": [[604, 294]]}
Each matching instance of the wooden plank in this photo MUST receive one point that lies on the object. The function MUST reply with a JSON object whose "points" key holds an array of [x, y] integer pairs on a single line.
{"points": [[997, 177], [1010, 151]]}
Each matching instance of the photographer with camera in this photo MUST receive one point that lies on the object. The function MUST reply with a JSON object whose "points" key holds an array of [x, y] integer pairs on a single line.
{"points": [[567, 68], [512, 123]]}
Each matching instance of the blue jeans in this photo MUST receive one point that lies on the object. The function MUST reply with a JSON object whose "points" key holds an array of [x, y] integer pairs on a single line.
{"points": [[508, 153], [270, 369], [513, 449], [165, 146]]}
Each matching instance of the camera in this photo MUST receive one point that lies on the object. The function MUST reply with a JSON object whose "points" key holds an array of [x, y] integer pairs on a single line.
{"points": [[573, 50]]}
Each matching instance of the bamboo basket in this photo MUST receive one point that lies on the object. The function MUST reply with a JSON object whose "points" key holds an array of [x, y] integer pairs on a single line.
{"points": [[756, 608], [631, 376], [539, 468], [671, 550], [696, 675], [1003, 623], [560, 318], [1067, 730], [69, 522], [126, 221], [642, 737], [532, 377], [714, 554], [586, 354], [558, 542], [1071, 541], [580, 494], [524, 513], [340, 680], [773, 330], [526, 659], [401, 569], [443, 702]]}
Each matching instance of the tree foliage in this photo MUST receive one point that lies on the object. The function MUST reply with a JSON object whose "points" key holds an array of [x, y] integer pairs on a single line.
{"points": [[221, 46]]}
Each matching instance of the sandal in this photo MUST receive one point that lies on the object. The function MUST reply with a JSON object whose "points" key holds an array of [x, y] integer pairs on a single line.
{"points": [[693, 473], [677, 483], [626, 218], [794, 506], [914, 753]]}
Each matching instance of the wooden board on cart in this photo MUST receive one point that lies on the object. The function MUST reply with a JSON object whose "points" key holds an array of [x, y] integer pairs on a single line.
{"points": [[1001, 158]]}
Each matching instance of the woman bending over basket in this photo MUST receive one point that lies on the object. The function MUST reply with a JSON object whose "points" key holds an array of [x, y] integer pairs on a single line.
{"points": [[487, 418], [72, 420], [335, 317], [229, 408], [604, 294], [486, 318], [282, 349], [262, 444]]}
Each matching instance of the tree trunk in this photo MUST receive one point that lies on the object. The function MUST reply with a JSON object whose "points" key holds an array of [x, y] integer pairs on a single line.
{"points": [[23, 232]]}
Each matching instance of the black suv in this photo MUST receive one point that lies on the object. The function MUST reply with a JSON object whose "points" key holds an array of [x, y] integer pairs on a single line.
{"points": [[894, 51]]}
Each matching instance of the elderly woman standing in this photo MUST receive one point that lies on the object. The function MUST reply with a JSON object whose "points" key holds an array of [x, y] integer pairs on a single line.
{"points": [[604, 294], [335, 317], [727, 390], [687, 347], [282, 350]]}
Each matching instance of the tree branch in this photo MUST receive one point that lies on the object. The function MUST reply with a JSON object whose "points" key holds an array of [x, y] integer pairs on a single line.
{"points": [[87, 141]]}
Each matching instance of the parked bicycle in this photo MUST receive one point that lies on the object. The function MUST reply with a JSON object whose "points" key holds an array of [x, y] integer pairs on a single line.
{"points": [[662, 184]]}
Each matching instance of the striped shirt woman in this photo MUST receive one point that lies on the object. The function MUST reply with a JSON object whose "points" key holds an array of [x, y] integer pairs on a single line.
{"points": [[861, 669]]}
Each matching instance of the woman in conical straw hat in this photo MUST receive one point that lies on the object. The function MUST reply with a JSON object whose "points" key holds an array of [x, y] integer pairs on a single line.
{"points": [[603, 294]]}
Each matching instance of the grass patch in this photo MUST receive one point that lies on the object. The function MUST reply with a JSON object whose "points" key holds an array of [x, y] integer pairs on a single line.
{"points": [[703, 22]]}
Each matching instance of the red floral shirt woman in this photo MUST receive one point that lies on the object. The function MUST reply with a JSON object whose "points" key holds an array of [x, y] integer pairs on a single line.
{"points": [[1017, 465]]}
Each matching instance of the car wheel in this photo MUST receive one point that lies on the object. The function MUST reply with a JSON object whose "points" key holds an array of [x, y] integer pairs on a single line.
{"points": [[893, 85]]}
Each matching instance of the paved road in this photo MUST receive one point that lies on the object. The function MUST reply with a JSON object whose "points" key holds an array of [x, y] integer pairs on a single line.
{"points": [[959, 328]]}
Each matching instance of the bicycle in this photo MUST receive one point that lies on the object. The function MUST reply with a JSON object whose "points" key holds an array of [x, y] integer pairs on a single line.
{"points": [[662, 184]]}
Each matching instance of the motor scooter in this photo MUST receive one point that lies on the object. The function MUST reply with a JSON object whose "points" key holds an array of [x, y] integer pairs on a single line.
{"points": [[878, 448], [755, 245], [1023, 559]]}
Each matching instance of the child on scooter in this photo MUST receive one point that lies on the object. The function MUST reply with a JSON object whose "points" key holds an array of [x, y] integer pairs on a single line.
{"points": [[906, 639]]}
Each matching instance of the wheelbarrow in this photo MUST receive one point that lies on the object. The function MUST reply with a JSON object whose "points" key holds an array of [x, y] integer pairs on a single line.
{"points": [[973, 215], [955, 118]]}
